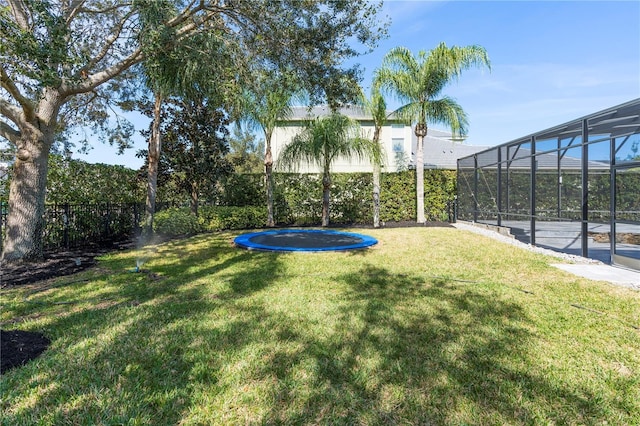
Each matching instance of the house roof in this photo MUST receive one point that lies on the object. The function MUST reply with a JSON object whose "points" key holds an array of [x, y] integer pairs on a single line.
{"points": [[352, 111], [441, 152], [521, 159]]}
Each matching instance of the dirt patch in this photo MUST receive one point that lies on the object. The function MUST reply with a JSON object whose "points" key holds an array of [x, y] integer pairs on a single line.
{"points": [[54, 265], [18, 346]]}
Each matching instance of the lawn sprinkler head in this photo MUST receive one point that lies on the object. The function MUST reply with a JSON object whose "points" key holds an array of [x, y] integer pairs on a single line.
{"points": [[138, 267]]}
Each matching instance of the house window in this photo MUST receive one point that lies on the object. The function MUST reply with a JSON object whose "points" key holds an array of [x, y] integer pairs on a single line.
{"points": [[397, 144]]}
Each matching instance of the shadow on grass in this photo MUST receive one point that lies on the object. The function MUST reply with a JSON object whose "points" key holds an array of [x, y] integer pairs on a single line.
{"points": [[127, 355], [199, 344], [390, 361]]}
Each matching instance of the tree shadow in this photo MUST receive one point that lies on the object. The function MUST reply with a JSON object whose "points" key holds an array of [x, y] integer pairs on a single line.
{"points": [[401, 349], [138, 335], [388, 362]]}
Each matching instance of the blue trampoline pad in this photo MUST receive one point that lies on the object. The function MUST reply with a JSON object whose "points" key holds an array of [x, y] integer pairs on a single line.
{"points": [[303, 240]]}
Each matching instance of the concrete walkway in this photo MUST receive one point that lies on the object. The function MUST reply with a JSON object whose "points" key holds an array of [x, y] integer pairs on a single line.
{"points": [[583, 267], [612, 274]]}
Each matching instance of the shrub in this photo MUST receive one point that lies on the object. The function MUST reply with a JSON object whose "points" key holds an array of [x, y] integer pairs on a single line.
{"points": [[298, 201], [298, 197], [180, 221], [217, 218], [243, 190], [177, 221]]}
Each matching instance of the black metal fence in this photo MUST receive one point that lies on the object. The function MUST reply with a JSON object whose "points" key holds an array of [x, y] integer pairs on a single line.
{"points": [[81, 225]]}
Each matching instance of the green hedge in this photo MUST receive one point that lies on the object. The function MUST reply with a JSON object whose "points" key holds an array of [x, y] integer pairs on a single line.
{"points": [[298, 197], [298, 201], [180, 221], [223, 217]]}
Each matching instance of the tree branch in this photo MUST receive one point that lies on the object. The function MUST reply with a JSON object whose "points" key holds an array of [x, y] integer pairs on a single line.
{"points": [[18, 10], [75, 108], [9, 133], [108, 43], [10, 86], [185, 14], [105, 10], [95, 80], [74, 8], [10, 111]]}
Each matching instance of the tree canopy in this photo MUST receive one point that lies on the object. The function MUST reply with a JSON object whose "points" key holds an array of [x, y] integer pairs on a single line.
{"points": [[64, 64], [194, 156]]}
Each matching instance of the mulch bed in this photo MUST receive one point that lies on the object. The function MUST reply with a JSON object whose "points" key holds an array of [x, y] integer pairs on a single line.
{"points": [[19, 347]]}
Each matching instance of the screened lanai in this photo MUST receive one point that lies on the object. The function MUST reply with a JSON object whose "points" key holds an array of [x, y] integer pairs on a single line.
{"points": [[568, 188]]}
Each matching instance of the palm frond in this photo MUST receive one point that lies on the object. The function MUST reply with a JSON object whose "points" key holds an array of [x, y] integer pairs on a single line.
{"points": [[448, 112], [324, 139], [417, 82]]}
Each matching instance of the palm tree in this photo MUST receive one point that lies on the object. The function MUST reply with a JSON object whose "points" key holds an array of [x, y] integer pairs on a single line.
{"points": [[263, 104], [321, 142], [376, 107], [418, 82]]}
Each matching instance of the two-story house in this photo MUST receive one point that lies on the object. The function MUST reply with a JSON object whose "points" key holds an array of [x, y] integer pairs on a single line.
{"points": [[441, 150]]}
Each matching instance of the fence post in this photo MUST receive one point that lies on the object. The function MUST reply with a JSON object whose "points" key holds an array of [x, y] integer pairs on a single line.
{"points": [[65, 225]]}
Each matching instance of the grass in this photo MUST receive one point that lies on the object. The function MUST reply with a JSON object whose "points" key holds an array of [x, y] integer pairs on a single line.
{"points": [[431, 326]]}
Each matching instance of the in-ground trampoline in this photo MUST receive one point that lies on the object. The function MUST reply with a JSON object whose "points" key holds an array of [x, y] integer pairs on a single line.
{"points": [[303, 240]]}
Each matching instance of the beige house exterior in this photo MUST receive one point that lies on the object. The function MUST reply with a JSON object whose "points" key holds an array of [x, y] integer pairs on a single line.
{"points": [[398, 142]]}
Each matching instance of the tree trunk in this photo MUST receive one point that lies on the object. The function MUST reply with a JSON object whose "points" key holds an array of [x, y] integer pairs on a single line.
{"points": [[154, 159], [376, 184], [326, 193], [193, 198], [268, 172], [25, 223], [28, 189], [376, 196], [421, 131]]}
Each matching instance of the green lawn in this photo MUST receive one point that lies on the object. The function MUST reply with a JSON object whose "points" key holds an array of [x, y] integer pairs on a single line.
{"points": [[431, 326]]}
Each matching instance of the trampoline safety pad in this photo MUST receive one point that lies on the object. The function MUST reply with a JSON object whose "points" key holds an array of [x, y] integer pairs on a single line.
{"points": [[303, 240]]}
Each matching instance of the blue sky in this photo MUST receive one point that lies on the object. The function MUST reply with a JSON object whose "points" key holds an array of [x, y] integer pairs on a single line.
{"points": [[552, 61]]}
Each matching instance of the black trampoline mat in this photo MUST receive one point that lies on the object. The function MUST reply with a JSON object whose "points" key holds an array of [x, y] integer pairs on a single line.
{"points": [[305, 240]]}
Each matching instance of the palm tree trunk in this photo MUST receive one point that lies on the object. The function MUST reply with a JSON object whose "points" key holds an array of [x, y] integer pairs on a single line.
{"points": [[421, 131], [376, 196], [326, 195], [154, 159], [326, 187], [268, 172], [376, 181]]}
